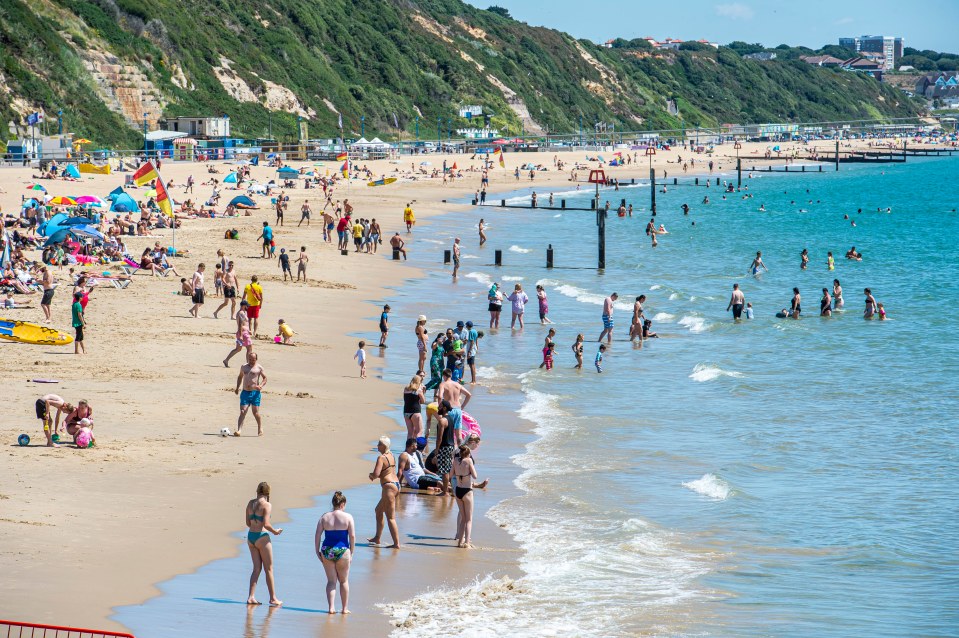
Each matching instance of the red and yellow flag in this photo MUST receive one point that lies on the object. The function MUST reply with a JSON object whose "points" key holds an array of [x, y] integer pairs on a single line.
{"points": [[502, 162], [340, 157], [345, 169], [145, 174], [163, 200]]}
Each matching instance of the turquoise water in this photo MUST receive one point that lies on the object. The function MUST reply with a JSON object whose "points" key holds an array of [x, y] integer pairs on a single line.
{"points": [[768, 478]]}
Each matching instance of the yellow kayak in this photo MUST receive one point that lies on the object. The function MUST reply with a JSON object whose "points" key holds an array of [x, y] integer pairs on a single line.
{"points": [[381, 182], [13, 330]]}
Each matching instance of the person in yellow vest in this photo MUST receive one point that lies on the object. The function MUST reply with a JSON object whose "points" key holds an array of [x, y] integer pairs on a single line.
{"points": [[254, 297], [409, 218]]}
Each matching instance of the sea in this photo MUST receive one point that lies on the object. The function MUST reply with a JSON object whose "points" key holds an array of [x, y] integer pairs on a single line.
{"points": [[768, 477]]}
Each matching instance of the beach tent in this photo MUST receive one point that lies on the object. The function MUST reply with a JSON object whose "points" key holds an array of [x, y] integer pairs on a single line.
{"points": [[93, 168], [231, 178], [123, 203], [288, 173], [72, 171], [113, 194], [242, 201]]}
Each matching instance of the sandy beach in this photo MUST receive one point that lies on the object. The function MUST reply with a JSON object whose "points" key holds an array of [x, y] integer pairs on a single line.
{"points": [[162, 492]]}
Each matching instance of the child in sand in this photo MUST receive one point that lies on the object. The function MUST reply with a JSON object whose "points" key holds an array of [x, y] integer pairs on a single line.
{"points": [[360, 357], [185, 288], [285, 332]]}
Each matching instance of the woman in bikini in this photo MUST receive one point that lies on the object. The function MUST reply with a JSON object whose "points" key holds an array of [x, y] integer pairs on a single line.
{"points": [[465, 472], [413, 406], [421, 340], [385, 471], [258, 540], [837, 295], [336, 550]]}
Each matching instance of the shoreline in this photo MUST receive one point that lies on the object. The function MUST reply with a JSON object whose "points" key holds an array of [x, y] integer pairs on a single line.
{"points": [[117, 563]]}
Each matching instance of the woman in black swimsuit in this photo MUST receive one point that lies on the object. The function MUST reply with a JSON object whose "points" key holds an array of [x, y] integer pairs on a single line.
{"points": [[413, 407], [825, 304], [465, 472], [795, 308]]}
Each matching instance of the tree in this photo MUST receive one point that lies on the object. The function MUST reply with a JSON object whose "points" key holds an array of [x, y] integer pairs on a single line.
{"points": [[744, 48], [502, 11]]}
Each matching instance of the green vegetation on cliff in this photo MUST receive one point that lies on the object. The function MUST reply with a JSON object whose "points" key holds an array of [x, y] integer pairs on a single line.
{"points": [[380, 58]]}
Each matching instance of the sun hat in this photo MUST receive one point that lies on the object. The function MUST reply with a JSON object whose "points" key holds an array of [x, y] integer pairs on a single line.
{"points": [[421, 318]]}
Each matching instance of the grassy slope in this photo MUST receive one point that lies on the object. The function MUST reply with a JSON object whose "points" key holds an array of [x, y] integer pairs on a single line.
{"points": [[369, 57]]}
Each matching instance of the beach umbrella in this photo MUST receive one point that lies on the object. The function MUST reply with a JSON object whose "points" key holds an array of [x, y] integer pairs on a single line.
{"points": [[231, 178], [150, 193], [82, 140], [242, 200], [86, 231], [61, 200], [500, 141], [37, 187], [89, 199], [426, 163]]}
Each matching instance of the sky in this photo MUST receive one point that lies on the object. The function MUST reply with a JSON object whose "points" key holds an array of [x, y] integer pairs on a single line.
{"points": [[924, 24]]}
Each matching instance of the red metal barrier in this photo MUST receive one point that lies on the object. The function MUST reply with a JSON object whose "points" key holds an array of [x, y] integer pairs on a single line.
{"points": [[14, 629]]}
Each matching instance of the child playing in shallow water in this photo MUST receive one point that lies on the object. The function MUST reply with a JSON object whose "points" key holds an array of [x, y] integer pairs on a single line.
{"points": [[599, 358], [548, 352], [578, 351]]}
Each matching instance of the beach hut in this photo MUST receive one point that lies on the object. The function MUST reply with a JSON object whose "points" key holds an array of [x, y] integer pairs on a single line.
{"points": [[183, 148]]}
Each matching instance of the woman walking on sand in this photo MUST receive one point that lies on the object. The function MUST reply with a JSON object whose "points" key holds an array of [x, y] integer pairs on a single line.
{"points": [[465, 472], [258, 540], [385, 471], [519, 299], [495, 297], [338, 531]]}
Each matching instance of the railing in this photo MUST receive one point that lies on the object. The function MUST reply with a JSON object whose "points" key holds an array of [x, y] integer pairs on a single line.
{"points": [[14, 629]]}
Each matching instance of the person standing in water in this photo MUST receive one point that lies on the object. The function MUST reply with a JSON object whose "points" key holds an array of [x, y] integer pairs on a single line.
{"points": [[736, 301], [825, 304], [338, 532], [456, 256], [482, 232], [757, 264], [578, 351], [261, 549], [608, 318], [804, 259], [837, 302], [495, 298], [870, 310], [830, 262], [636, 326], [795, 307], [385, 471], [421, 341], [465, 472]]}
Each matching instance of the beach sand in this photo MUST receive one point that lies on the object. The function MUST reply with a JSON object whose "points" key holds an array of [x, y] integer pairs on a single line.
{"points": [[160, 495]]}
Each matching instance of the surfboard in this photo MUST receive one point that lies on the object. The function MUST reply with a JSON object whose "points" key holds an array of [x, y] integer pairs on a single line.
{"points": [[381, 182], [13, 330]]}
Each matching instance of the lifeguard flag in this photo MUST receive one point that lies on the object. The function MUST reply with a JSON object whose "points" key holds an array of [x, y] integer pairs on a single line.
{"points": [[345, 169], [163, 200], [502, 162], [454, 166], [341, 157], [145, 174]]}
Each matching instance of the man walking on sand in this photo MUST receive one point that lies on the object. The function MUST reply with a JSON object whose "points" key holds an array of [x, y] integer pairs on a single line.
{"points": [[243, 337], [267, 237], [196, 285], [301, 263], [608, 318], [253, 379], [48, 290], [79, 323], [305, 213], [253, 293], [229, 291]]}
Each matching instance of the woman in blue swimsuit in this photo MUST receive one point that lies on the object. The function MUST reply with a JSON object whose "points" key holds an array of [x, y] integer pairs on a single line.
{"points": [[336, 549], [258, 540]]}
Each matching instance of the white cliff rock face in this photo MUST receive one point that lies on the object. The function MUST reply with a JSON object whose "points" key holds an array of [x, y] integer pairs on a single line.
{"points": [[275, 97]]}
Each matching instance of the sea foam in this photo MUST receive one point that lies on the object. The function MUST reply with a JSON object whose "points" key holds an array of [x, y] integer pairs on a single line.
{"points": [[519, 249], [707, 372], [710, 485]]}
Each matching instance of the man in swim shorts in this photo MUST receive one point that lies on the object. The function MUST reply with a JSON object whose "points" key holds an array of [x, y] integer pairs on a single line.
{"points": [[51, 425], [736, 301], [411, 469], [48, 291], [252, 378], [608, 318]]}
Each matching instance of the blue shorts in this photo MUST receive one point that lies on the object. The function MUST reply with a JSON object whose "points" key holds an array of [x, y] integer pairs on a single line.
{"points": [[341, 234], [607, 322], [250, 397]]}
